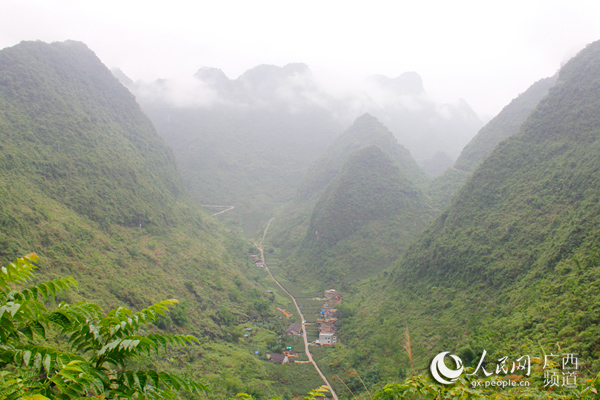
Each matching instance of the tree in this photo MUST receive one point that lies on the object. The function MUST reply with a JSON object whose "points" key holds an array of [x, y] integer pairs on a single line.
{"points": [[34, 364]]}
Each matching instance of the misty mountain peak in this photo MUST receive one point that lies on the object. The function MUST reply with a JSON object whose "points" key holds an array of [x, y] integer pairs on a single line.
{"points": [[76, 44], [296, 68], [272, 73], [368, 124], [408, 84], [212, 76]]}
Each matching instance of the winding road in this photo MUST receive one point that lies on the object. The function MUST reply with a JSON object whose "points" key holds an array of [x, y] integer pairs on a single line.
{"points": [[304, 336]]}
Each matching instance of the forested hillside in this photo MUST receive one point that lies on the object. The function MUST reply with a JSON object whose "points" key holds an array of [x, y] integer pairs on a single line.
{"points": [[358, 207], [502, 126], [51, 113], [86, 182], [512, 266]]}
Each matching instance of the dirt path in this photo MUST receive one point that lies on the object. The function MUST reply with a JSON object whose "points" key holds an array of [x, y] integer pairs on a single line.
{"points": [[304, 336], [459, 170], [228, 208]]}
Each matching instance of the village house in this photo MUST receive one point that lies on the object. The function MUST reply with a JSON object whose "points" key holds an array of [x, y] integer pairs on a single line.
{"points": [[257, 261], [294, 329], [327, 326], [278, 358], [329, 307], [327, 339]]}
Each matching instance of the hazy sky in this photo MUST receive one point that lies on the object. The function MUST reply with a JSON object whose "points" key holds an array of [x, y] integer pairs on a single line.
{"points": [[486, 52]]}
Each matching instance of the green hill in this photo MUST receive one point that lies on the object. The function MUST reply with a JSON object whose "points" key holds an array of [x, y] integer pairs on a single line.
{"points": [[370, 186], [51, 112], [365, 131], [86, 182], [357, 209], [504, 125], [362, 221], [512, 265], [292, 222]]}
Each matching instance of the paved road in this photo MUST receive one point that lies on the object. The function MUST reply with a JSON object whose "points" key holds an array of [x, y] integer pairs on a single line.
{"points": [[306, 349]]}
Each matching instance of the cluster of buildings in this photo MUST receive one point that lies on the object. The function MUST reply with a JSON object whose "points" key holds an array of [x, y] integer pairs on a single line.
{"points": [[327, 326], [257, 261], [328, 319]]}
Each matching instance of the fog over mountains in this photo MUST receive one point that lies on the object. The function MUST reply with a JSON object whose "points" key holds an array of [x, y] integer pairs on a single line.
{"points": [[249, 141], [434, 133]]}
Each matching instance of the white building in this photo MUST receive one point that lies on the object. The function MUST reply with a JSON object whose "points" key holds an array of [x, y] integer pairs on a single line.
{"points": [[327, 339]]}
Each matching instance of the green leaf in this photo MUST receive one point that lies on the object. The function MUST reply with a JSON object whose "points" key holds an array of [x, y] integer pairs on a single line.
{"points": [[96, 343]]}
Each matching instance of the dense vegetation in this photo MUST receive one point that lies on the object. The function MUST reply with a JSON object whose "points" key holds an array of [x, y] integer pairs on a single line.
{"points": [[502, 126], [368, 187], [365, 131], [87, 183], [362, 221], [52, 104], [75, 350], [512, 265], [292, 222]]}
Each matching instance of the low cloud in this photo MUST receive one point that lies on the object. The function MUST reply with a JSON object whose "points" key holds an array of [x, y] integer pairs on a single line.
{"points": [[401, 103], [186, 92]]}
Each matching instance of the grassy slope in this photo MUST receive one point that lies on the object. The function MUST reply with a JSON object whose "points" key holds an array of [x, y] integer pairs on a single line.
{"points": [[512, 266]]}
